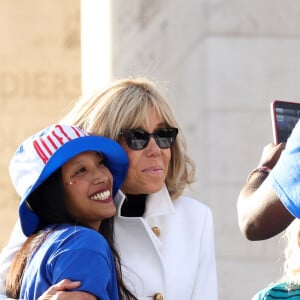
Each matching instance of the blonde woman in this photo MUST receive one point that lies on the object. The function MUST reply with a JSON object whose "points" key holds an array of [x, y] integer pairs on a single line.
{"points": [[165, 239]]}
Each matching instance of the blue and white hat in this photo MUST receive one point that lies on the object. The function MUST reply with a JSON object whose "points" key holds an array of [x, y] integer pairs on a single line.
{"points": [[43, 153]]}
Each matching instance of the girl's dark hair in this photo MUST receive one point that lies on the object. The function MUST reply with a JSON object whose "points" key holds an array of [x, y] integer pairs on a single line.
{"points": [[48, 201], [106, 229]]}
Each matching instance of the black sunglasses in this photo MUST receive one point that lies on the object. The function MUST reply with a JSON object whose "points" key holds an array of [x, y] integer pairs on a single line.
{"points": [[138, 139]]}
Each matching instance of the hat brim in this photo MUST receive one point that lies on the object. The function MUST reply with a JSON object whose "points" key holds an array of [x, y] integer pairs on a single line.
{"points": [[115, 160]]}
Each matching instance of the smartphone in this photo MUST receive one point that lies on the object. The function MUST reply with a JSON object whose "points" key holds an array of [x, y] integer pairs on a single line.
{"points": [[285, 115]]}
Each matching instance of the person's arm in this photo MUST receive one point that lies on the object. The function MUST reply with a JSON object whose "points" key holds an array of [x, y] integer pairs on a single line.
{"points": [[261, 214], [85, 256], [60, 291]]}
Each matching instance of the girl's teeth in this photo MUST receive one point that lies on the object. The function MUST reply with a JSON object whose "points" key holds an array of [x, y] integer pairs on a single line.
{"points": [[101, 196]]}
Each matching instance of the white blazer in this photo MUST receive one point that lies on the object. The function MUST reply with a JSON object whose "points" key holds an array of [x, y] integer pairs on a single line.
{"points": [[179, 264]]}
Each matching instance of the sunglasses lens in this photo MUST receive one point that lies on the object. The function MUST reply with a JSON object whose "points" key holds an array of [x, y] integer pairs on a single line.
{"points": [[165, 138], [137, 139]]}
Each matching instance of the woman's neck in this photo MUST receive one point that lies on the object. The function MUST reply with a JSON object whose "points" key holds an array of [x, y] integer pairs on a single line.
{"points": [[134, 205]]}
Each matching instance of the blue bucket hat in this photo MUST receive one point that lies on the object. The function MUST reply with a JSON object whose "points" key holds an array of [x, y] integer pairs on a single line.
{"points": [[42, 154]]}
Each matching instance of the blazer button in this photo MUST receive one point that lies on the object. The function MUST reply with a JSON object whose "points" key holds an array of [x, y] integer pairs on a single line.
{"points": [[158, 296], [156, 231]]}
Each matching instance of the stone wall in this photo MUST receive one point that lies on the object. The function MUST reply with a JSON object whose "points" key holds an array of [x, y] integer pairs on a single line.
{"points": [[39, 77]]}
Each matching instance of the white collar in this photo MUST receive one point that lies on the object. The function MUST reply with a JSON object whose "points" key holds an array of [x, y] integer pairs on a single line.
{"points": [[159, 203]]}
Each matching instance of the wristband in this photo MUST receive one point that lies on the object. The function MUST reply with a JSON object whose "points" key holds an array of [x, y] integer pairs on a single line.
{"points": [[263, 169]]}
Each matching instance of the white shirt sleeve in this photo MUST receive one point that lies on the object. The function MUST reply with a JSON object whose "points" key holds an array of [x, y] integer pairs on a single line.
{"points": [[206, 286], [7, 254]]}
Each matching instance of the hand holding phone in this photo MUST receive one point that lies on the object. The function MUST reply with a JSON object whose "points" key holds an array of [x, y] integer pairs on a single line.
{"points": [[285, 115]]}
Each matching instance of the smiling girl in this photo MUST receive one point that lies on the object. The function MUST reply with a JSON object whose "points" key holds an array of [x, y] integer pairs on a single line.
{"points": [[67, 181]]}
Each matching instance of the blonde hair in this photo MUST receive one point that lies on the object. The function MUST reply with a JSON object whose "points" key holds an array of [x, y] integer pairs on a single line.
{"points": [[292, 254], [125, 104]]}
